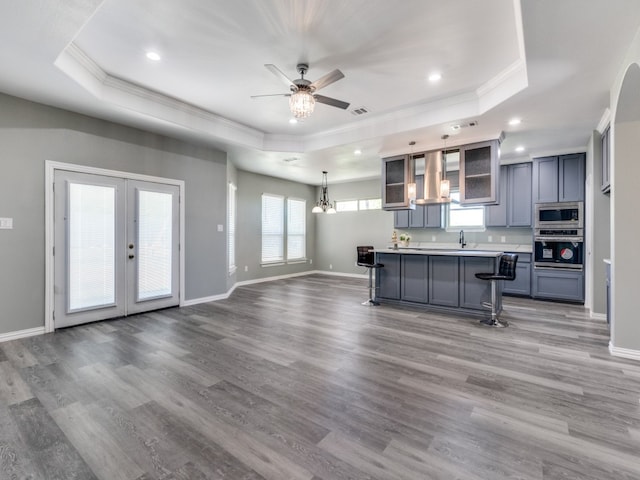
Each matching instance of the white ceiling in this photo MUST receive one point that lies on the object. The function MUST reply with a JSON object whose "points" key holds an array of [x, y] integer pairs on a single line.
{"points": [[550, 63]]}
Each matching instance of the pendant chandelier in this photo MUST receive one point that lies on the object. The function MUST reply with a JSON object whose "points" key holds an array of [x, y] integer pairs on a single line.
{"points": [[324, 205]]}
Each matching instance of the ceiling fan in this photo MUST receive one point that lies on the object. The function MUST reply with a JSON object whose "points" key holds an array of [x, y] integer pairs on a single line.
{"points": [[302, 98]]}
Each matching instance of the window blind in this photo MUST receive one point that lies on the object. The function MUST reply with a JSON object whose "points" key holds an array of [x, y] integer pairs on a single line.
{"points": [[272, 228], [296, 229]]}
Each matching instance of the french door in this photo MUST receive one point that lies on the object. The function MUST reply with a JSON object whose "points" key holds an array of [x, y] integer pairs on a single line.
{"points": [[116, 249]]}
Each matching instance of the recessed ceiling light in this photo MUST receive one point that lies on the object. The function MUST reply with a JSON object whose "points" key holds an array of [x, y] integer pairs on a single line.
{"points": [[434, 77], [515, 121], [154, 56], [357, 152], [293, 121], [519, 148]]}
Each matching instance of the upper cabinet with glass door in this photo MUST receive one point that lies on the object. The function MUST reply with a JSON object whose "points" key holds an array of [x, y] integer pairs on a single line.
{"points": [[397, 174], [479, 172]]}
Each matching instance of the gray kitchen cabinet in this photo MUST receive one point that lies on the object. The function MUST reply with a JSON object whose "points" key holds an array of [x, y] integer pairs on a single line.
{"points": [[571, 177], [496, 215], [414, 271], [559, 178], [556, 284], [472, 294], [479, 172], [519, 195], [401, 219], [397, 173], [433, 216], [445, 291], [514, 209], [424, 216], [388, 277], [522, 283]]}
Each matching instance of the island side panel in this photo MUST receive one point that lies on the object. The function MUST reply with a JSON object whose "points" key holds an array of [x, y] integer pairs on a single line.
{"points": [[415, 274], [388, 277]]}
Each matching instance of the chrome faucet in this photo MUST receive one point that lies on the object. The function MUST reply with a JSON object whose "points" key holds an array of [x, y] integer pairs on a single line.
{"points": [[461, 239]]}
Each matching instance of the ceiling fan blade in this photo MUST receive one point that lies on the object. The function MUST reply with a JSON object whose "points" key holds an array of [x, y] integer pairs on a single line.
{"points": [[272, 95], [331, 101], [328, 79], [278, 73]]}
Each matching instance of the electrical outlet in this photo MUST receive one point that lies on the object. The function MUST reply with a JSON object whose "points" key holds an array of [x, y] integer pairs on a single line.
{"points": [[220, 228], [433, 238], [490, 238], [503, 239], [246, 269], [311, 261], [330, 267]]}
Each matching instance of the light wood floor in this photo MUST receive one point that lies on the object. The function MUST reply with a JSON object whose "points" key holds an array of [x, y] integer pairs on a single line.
{"points": [[294, 379]]}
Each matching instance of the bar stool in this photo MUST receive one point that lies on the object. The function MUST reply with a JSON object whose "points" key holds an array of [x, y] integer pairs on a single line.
{"points": [[366, 258], [506, 271]]}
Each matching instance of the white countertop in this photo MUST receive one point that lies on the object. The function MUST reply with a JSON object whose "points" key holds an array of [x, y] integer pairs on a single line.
{"points": [[472, 247], [440, 251]]}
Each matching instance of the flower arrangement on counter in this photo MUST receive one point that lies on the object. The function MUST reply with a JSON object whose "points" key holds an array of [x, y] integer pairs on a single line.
{"points": [[405, 238]]}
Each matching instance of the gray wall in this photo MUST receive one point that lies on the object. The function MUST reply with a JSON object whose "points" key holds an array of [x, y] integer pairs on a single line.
{"points": [[31, 133], [339, 234], [251, 186]]}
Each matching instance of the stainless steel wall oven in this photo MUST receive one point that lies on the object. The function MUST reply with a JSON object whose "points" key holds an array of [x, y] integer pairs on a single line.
{"points": [[558, 248]]}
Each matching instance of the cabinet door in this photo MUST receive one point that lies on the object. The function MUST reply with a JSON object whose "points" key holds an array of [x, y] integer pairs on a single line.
{"points": [[522, 283], [443, 281], [433, 216], [479, 171], [396, 175], [545, 179], [496, 215], [401, 219], [415, 271], [519, 195], [558, 285], [388, 277], [474, 291], [571, 178]]}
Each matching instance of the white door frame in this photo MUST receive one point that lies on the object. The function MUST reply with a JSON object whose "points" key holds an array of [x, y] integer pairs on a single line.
{"points": [[50, 168]]}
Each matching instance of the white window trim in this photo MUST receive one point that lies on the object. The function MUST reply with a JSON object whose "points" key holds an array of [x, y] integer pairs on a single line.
{"points": [[466, 228]]}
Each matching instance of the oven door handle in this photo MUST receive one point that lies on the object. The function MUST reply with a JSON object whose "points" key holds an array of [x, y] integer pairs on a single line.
{"points": [[560, 239]]}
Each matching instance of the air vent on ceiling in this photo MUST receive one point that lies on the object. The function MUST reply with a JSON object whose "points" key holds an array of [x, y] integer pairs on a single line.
{"points": [[290, 159], [360, 111], [458, 126]]}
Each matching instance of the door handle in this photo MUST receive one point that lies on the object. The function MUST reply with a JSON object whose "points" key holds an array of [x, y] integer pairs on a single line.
{"points": [[131, 255]]}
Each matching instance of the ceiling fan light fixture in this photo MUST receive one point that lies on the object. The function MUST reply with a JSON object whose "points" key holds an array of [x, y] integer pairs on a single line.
{"points": [[301, 104]]}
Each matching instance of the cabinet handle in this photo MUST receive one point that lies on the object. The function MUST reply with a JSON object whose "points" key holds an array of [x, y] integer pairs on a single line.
{"points": [[131, 255]]}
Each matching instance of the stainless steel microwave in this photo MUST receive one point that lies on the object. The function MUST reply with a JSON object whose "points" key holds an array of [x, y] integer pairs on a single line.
{"points": [[567, 215]]}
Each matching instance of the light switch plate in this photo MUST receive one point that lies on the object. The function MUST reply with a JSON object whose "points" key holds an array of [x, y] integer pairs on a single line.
{"points": [[6, 223], [220, 228]]}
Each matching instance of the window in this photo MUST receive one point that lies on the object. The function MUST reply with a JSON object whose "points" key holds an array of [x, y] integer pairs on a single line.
{"points": [[355, 205], [272, 228], [464, 216], [371, 204], [231, 227], [346, 205], [296, 229]]}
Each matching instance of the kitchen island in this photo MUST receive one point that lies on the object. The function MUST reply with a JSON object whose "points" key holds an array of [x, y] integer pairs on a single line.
{"points": [[436, 279]]}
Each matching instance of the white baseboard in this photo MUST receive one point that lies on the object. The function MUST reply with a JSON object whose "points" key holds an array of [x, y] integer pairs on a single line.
{"points": [[624, 352], [598, 316], [224, 296], [29, 332], [340, 274]]}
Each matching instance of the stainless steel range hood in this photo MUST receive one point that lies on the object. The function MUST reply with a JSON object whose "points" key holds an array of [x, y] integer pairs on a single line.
{"points": [[432, 166]]}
